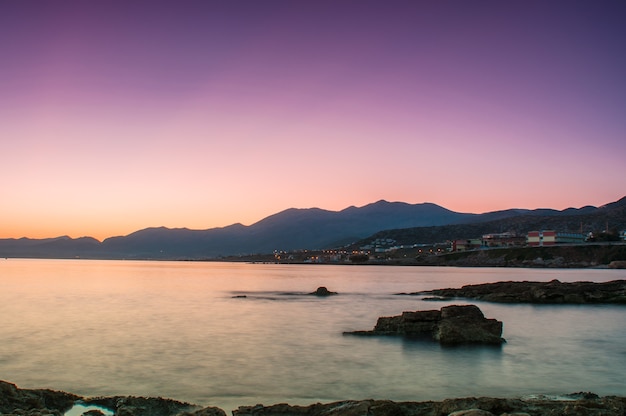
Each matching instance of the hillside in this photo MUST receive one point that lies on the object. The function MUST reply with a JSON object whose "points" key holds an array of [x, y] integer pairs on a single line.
{"points": [[565, 256], [314, 228], [291, 229], [587, 219]]}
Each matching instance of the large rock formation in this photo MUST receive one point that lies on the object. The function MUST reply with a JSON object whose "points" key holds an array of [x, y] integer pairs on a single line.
{"points": [[452, 325], [552, 292]]}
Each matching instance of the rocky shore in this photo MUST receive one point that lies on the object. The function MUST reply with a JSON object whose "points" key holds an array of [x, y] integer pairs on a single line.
{"points": [[553, 292], [40, 402]]}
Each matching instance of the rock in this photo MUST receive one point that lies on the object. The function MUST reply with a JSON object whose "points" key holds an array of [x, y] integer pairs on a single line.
{"points": [[452, 325], [342, 408], [207, 411], [471, 412], [436, 299], [552, 292], [467, 325], [44, 401], [483, 406], [143, 406], [617, 264], [24, 402], [93, 412], [322, 291]]}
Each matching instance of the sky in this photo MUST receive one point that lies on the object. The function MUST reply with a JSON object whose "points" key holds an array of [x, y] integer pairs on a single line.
{"points": [[121, 115]]}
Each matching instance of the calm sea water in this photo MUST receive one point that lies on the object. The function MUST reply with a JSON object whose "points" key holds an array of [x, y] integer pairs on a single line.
{"points": [[178, 329]]}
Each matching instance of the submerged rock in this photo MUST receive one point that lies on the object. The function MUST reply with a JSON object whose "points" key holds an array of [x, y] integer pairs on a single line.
{"points": [[322, 291], [452, 325]]}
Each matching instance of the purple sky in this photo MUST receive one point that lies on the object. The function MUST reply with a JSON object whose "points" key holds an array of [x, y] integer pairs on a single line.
{"points": [[120, 115]]}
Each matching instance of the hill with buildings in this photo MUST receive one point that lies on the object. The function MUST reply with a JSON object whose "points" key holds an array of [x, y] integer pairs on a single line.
{"points": [[607, 219]]}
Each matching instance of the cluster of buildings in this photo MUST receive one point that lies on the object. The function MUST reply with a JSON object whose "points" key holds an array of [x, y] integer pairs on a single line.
{"points": [[388, 245], [551, 237], [493, 240], [382, 247]]}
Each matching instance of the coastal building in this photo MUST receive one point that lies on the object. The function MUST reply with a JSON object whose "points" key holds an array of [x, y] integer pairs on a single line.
{"points": [[551, 237], [541, 238], [570, 238], [469, 244]]}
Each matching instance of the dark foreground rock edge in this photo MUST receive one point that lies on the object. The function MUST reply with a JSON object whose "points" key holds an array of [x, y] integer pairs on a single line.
{"points": [[40, 402]]}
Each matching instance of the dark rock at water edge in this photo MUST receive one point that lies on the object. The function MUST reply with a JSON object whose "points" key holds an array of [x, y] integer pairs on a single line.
{"points": [[617, 264], [322, 291], [13, 399], [151, 406], [452, 325], [553, 292], [40, 402]]}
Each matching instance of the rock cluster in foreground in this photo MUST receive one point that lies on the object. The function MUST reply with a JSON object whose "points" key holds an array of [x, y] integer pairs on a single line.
{"points": [[452, 325], [552, 292], [584, 404], [39, 402]]}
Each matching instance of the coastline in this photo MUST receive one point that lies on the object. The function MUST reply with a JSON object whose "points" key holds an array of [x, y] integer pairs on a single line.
{"points": [[40, 402], [553, 292], [581, 256]]}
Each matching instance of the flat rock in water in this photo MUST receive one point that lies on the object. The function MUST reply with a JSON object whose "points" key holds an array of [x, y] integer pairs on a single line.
{"points": [[552, 292], [452, 325]]}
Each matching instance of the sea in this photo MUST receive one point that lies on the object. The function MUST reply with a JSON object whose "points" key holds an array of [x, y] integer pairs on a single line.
{"points": [[231, 334]]}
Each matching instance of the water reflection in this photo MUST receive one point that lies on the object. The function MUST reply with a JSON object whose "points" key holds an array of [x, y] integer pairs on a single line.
{"points": [[174, 329]]}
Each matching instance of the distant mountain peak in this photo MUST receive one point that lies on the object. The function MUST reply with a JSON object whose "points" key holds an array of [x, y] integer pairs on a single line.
{"points": [[303, 228]]}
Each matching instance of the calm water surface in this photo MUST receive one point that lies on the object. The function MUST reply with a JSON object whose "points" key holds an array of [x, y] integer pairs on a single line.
{"points": [[178, 329]]}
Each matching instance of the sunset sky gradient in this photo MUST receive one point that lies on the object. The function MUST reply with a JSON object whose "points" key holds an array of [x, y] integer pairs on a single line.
{"points": [[121, 115]]}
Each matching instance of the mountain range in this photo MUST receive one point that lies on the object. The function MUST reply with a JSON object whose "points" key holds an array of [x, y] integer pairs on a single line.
{"points": [[315, 228]]}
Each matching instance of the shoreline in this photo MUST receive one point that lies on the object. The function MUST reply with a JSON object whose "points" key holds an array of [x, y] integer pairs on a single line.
{"points": [[40, 402], [553, 292], [399, 264]]}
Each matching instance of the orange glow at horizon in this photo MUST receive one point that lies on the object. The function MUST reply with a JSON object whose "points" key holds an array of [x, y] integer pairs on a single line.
{"points": [[213, 114]]}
